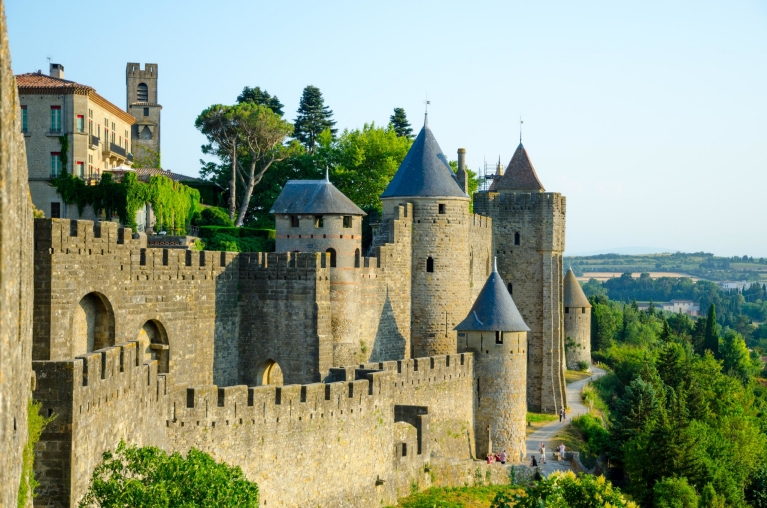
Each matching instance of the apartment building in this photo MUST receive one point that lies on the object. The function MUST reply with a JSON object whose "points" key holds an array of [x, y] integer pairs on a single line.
{"points": [[58, 114]]}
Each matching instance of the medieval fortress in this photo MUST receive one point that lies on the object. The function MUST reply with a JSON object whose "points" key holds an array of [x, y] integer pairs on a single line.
{"points": [[332, 377]]}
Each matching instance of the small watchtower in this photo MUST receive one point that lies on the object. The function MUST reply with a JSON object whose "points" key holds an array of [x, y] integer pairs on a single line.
{"points": [[142, 103], [496, 334], [314, 216], [577, 323]]}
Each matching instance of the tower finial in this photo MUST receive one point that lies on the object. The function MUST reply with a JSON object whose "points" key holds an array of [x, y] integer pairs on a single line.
{"points": [[495, 264], [327, 174], [520, 129], [426, 103]]}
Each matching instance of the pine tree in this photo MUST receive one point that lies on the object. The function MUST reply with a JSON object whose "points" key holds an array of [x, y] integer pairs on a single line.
{"points": [[261, 97], [313, 118], [665, 334], [710, 338], [400, 123]]}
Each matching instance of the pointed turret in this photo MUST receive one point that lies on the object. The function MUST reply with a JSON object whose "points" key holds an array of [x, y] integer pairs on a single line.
{"points": [[494, 309], [577, 324], [498, 174], [425, 172], [520, 174], [573, 292], [496, 334]]}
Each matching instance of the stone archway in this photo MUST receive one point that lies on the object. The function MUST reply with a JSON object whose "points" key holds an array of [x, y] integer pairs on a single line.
{"points": [[153, 345], [269, 373], [93, 324]]}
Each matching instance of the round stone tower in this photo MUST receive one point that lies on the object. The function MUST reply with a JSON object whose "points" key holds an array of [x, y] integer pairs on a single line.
{"points": [[577, 324], [440, 281], [496, 334]]}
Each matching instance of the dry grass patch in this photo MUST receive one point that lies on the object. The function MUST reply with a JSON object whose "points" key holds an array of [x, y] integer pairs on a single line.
{"points": [[571, 376], [537, 420]]}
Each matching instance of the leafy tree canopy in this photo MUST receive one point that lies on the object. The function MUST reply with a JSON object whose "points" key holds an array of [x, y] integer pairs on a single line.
{"points": [[261, 97], [148, 477]]}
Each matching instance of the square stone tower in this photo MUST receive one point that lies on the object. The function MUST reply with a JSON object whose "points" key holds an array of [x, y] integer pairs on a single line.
{"points": [[141, 93], [529, 240]]}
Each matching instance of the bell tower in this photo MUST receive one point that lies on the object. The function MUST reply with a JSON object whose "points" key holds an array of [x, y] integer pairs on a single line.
{"points": [[141, 93]]}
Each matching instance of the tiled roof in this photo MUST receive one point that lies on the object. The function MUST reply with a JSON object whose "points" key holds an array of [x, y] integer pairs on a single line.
{"points": [[36, 80], [574, 295], [314, 197], [520, 175], [39, 83], [494, 310], [143, 175], [425, 171]]}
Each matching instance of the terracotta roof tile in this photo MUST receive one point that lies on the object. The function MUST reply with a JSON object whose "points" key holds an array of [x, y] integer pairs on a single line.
{"points": [[39, 80], [520, 175]]}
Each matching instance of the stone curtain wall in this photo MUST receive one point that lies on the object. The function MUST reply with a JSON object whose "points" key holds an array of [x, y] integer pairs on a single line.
{"points": [[480, 253], [327, 444], [534, 269], [578, 337], [15, 281], [285, 315], [98, 399], [190, 294]]}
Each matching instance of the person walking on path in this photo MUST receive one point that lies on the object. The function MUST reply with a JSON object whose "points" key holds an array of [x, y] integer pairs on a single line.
{"points": [[560, 416], [561, 451], [543, 453]]}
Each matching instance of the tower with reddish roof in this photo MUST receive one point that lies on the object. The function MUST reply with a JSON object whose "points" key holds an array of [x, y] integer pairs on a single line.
{"points": [[529, 240], [577, 324]]}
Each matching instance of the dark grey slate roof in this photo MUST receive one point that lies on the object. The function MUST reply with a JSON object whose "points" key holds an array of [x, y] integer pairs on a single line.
{"points": [[317, 197], [574, 295], [425, 172], [494, 310]]}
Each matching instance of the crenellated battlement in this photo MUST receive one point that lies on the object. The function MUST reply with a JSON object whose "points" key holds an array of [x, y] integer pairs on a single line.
{"points": [[518, 201]]}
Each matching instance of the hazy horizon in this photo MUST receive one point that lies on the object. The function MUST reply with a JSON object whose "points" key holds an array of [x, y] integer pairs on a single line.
{"points": [[650, 117]]}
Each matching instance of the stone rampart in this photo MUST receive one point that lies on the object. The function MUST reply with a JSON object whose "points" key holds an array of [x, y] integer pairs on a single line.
{"points": [[97, 399], [529, 240]]}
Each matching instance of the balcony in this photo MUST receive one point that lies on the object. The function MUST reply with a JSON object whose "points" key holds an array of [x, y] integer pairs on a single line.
{"points": [[94, 142], [117, 154]]}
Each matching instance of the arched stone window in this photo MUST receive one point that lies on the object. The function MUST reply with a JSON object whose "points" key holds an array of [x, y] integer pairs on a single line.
{"points": [[332, 253], [356, 258], [516, 238], [153, 345], [93, 324], [430, 264], [269, 373], [142, 93]]}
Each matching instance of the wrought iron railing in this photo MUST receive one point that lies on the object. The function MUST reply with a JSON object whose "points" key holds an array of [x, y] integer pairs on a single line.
{"points": [[114, 147]]}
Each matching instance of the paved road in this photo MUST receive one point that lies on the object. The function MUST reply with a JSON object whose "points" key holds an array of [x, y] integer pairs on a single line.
{"points": [[547, 432]]}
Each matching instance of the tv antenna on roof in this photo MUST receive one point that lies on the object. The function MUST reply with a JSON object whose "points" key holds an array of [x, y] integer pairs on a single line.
{"points": [[49, 60]]}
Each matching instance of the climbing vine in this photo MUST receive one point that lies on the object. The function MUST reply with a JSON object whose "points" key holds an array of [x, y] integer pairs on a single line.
{"points": [[173, 203], [64, 142]]}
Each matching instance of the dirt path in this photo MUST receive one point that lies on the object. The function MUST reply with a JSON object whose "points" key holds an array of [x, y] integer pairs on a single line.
{"points": [[547, 432]]}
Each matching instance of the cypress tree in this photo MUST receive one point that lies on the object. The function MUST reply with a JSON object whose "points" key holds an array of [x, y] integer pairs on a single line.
{"points": [[262, 98], [710, 337], [400, 123], [313, 118]]}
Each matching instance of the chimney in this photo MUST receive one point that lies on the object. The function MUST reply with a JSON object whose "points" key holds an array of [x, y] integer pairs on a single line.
{"points": [[461, 175], [57, 71]]}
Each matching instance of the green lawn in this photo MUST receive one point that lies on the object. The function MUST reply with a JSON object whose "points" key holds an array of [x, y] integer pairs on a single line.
{"points": [[453, 497]]}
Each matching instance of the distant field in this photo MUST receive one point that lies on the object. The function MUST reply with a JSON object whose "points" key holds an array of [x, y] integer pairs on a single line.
{"points": [[603, 276]]}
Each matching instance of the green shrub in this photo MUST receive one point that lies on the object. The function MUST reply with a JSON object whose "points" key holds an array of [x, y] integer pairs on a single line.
{"points": [[148, 477], [35, 426], [212, 216], [211, 231], [583, 365], [228, 243], [674, 493], [564, 489], [756, 488], [594, 433]]}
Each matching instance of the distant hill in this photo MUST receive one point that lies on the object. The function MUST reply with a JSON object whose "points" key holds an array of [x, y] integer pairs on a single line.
{"points": [[698, 264], [632, 251]]}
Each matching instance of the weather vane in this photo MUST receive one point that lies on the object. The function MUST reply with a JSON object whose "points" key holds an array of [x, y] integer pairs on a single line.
{"points": [[520, 129], [426, 103]]}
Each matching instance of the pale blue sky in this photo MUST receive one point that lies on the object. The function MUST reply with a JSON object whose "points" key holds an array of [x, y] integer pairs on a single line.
{"points": [[650, 117]]}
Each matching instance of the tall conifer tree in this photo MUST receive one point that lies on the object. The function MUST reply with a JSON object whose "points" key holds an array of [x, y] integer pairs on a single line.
{"points": [[400, 123], [313, 118], [710, 338]]}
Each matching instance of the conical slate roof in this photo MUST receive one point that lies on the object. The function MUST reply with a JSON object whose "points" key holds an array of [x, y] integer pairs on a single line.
{"points": [[314, 197], [574, 295], [494, 310], [425, 171], [520, 175]]}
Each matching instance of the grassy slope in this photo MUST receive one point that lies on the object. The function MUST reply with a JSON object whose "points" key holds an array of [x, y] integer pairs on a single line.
{"points": [[453, 497]]}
